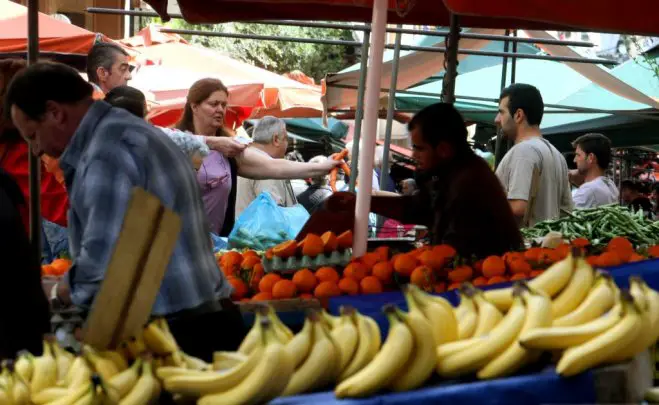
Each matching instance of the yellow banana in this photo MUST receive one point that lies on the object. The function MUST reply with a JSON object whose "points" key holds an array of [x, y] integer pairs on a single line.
{"points": [[203, 383], [284, 333], [298, 347], [117, 358], [49, 395], [551, 281], [24, 366], [265, 382], [330, 320], [450, 348], [74, 394], [538, 315], [135, 347], [424, 296], [443, 323], [319, 367], [226, 360], [637, 291], [346, 337], [599, 349], [498, 339], [367, 346], [488, 314], [391, 359], [87, 399], [652, 395], [5, 398], [467, 315], [20, 392], [79, 374], [45, 370], [102, 366], [145, 390], [575, 291], [167, 372], [63, 360], [421, 364], [376, 339], [600, 298], [126, 380], [253, 338], [195, 363], [157, 341]]}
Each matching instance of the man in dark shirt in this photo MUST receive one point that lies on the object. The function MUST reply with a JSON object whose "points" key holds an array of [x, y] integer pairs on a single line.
{"points": [[460, 199], [631, 193]]}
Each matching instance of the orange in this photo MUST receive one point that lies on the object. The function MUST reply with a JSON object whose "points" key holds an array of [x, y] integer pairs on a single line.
{"points": [[592, 260], [519, 276], [330, 243], [580, 242], [262, 297], [306, 296], [268, 281], [370, 285], [312, 245], [384, 272], [609, 259], [284, 289], [445, 251], [239, 288], [510, 256], [439, 287], [349, 286], [256, 275], [622, 247], [355, 271], [327, 274], [496, 280], [494, 266], [653, 251], [382, 252], [453, 286], [533, 254], [249, 262], [345, 240], [460, 274], [419, 251], [250, 252], [305, 280], [285, 250], [405, 264], [562, 251], [431, 259], [60, 266], [369, 260], [479, 281], [327, 289], [536, 273], [519, 266], [230, 262], [48, 270], [423, 277], [635, 257], [269, 254]]}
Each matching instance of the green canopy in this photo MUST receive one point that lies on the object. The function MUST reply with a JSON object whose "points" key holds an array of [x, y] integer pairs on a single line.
{"points": [[312, 129]]}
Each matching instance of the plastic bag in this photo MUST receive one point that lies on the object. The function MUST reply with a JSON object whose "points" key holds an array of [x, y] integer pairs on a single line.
{"points": [[264, 224]]}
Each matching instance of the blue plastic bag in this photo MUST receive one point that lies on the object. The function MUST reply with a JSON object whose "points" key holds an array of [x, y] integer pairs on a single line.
{"points": [[264, 224]]}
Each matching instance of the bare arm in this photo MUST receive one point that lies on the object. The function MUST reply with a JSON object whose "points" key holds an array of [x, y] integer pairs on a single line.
{"points": [[380, 193], [255, 165], [519, 209]]}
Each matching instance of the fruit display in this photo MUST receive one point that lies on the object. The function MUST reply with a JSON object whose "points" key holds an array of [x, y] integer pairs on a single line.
{"points": [[56, 268]]}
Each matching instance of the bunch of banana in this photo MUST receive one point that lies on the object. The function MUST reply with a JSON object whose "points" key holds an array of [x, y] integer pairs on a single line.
{"points": [[13, 389], [437, 311], [253, 338], [466, 313]]}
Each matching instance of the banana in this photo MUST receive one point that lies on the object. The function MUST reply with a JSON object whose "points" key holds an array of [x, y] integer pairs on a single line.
{"points": [[198, 383], [443, 323], [498, 339], [551, 281], [157, 341], [450, 348], [126, 380], [74, 394], [49, 395], [135, 347], [117, 358], [21, 391], [575, 291], [488, 314], [318, 368], [102, 366], [424, 296], [79, 374], [146, 389], [195, 363], [384, 367], [367, 347], [284, 333], [466, 314], [253, 338], [265, 382], [649, 330], [421, 364], [45, 370], [166, 372], [346, 337], [24, 366], [4, 396], [330, 320], [226, 360], [600, 298], [298, 348], [563, 337], [652, 395], [637, 291], [538, 315], [599, 349], [87, 399], [63, 359]]}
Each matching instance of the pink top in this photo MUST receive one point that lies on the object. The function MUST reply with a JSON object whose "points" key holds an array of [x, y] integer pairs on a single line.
{"points": [[214, 178]]}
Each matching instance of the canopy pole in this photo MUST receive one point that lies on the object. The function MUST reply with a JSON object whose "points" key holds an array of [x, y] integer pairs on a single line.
{"points": [[34, 163], [498, 148], [391, 107], [365, 174], [513, 72], [359, 113], [451, 61]]}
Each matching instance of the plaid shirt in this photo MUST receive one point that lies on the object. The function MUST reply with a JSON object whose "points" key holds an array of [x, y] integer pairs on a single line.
{"points": [[111, 152]]}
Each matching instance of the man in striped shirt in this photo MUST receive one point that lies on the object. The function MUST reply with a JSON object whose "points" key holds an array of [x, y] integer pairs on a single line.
{"points": [[105, 152]]}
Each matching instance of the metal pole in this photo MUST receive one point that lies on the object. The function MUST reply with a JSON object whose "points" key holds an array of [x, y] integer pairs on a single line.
{"points": [[359, 113], [391, 107], [498, 147], [451, 61], [34, 163], [513, 72]]}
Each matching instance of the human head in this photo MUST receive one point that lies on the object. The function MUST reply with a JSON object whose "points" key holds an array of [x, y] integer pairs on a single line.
{"points": [[205, 107], [438, 133], [629, 191], [408, 186], [271, 134], [108, 66], [128, 98], [8, 69], [320, 180], [592, 151], [520, 107], [47, 101]]}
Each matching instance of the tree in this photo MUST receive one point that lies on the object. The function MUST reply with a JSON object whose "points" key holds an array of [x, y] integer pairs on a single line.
{"points": [[280, 57]]}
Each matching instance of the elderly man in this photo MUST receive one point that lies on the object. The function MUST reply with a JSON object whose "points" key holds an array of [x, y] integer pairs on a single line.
{"points": [[271, 139]]}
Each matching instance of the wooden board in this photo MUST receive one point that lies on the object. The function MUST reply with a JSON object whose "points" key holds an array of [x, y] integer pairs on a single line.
{"points": [[105, 324]]}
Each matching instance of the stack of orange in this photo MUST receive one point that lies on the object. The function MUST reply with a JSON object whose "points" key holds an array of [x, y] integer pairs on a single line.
{"points": [[56, 268]]}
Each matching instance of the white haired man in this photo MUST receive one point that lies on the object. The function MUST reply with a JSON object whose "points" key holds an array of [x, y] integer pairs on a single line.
{"points": [[270, 138]]}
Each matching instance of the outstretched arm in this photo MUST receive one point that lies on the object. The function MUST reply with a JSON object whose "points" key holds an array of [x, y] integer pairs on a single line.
{"points": [[255, 165]]}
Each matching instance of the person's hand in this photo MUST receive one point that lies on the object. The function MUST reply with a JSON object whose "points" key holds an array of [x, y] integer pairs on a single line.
{"points": [[341, 201], [328, 165], [229, 147]]}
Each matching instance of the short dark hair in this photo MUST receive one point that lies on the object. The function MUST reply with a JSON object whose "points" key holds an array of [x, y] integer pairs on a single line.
{"points": [[527, 98], [34, 86], [102, 54], [597, 144], [128, 98], [441, 122]]}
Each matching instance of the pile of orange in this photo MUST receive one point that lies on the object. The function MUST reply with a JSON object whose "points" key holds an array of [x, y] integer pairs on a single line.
{"points": [[56, 268], [312, 245]]}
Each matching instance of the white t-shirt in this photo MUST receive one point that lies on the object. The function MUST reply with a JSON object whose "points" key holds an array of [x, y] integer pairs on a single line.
{"points": [[595, 193]]}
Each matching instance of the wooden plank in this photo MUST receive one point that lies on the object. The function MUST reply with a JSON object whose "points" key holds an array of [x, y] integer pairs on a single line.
{"points": [[128, 257], [153, 272]]}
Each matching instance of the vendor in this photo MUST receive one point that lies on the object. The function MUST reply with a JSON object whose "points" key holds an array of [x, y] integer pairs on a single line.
{"points": [[459, 199], [592, 156]]}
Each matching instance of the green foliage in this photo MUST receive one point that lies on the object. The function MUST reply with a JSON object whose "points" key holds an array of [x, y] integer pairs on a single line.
{"points": [[277, 56]]}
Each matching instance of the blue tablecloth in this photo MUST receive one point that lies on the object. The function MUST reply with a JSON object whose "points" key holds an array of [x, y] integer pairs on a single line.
{"points": [[539, 388]]}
